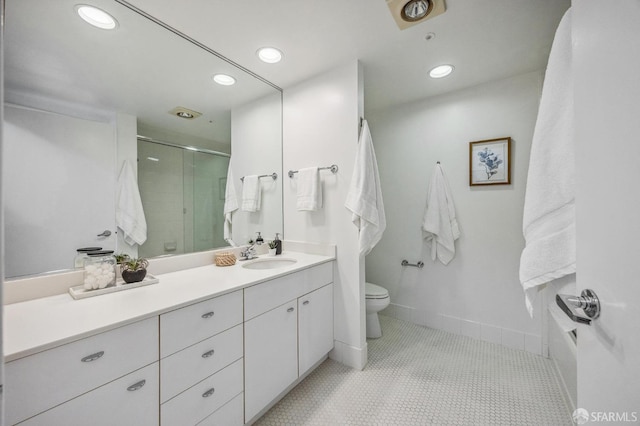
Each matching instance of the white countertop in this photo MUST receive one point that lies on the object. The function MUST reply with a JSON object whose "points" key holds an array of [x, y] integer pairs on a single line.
{"points": [[40, 324]]}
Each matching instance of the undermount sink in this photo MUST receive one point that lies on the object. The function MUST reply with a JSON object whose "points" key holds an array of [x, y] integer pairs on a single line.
{"points": [[269, 263]]}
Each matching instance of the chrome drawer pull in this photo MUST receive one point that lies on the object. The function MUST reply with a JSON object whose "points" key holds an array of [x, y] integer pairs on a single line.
{"points": [[208, 393], [290, 310], [306, 302], [92, 357], [207, 315], [136, 386], [208, 354]]}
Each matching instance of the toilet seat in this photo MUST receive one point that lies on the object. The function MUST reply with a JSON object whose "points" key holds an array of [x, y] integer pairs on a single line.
{"points": [[373, 291]]}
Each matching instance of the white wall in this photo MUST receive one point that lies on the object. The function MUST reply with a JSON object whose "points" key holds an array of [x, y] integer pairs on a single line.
{"points": [[256, 147], [59, 181], [478, 294], [320, 125]]}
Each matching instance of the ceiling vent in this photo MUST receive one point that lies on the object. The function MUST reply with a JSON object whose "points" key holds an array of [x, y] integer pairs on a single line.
{"points": [[185, 113], [411, 12]]}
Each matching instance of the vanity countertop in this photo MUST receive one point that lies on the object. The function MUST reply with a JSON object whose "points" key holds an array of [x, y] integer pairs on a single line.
{"points": [[40, 324]]}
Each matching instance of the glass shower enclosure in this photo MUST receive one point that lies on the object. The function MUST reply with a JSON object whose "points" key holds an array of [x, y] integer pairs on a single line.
{"points": [[182, 193]]}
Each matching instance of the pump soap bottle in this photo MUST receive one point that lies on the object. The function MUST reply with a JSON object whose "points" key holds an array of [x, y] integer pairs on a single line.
{"points": [[278, 244]]}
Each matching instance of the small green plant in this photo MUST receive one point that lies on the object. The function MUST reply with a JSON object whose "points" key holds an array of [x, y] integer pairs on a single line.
{"points": [[135, 264], [122, 257], [272, 244]]}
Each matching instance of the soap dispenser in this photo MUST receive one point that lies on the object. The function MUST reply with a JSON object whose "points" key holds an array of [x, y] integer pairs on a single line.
{"points": [[278, 244], [259, 239]]}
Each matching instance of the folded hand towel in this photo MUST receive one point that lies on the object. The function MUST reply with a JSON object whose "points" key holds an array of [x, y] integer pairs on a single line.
{"points": [[439, 224], [364, 198], [549, 205], [230, 202], [309, 196], [129, 212], [251, 194]]}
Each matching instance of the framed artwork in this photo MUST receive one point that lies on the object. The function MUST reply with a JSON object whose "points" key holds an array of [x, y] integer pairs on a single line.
{"points": [[490, 162]]}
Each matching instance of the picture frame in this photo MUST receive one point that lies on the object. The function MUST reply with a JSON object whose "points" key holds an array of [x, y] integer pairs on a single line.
{"points": [[490, 162]]}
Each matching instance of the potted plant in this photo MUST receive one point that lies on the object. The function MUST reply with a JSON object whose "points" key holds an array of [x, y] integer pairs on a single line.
{"points": [[121, 257], [272, 248], [134, 270]]}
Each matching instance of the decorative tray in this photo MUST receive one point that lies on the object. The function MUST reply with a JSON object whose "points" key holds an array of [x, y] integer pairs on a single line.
{"points": [[79, 292]]}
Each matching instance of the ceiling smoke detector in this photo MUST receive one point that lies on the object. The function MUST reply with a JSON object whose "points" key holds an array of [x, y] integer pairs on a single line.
{"points": [[407, 13], [185, 113]]}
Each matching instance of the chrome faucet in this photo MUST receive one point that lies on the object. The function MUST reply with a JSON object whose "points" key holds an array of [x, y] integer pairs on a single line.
{"points": [[249, 253]]}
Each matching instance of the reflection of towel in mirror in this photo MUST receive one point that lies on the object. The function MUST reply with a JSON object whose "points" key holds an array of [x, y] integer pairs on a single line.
{"points": [[364, 199], [230, 203], [251, 194], [129, 212], [549, 206], [439, 224], [309, 194]]}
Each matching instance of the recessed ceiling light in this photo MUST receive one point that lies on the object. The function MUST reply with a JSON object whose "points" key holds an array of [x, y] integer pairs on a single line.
{"points": [[183, 112], [416, 9], [270, 55], [441, 71], [223, 79], [96, 17]]}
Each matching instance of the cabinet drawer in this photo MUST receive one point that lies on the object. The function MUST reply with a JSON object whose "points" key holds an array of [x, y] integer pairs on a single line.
{"points": [[130, 400], [263, 297], [41, 381], [230, 414], [187, 367], [199, 401], [186, 326]]}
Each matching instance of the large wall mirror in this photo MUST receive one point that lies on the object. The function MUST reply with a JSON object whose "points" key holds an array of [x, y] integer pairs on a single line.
{"points": [[81, 101]]}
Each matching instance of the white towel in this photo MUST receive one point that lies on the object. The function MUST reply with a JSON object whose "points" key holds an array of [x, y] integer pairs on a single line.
{"points": [[549, 206], [439, 224], [230, 203], [365, 195], [309, 195], [251, 194], [129, 212]]}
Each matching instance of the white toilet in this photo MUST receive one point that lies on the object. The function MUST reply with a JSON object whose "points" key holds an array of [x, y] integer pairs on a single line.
{"points": [[377, 298]]}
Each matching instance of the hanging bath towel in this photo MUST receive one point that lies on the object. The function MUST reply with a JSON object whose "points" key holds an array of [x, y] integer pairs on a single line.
{"points": [[129, 212], [439, 225], [364, 199], [230, 204], [309, 194], [251, 194], [549, 206]]}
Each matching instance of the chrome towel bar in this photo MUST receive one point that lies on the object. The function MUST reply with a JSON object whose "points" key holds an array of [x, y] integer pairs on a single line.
{"points": [[420, 264], [273, 176], [333, 168]]}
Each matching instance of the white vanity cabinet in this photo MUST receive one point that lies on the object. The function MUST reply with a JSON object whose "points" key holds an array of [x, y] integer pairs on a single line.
{"points": [[315, 327], [39, 382], [271, 356], [283, 318], [201, 366], [130, 400]]}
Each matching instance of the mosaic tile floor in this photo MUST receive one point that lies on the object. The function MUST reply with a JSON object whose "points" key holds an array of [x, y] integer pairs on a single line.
{"points": [[422, 376]]}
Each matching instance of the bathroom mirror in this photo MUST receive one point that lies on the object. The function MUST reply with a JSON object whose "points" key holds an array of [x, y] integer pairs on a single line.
{"points": [[80, 100]]}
